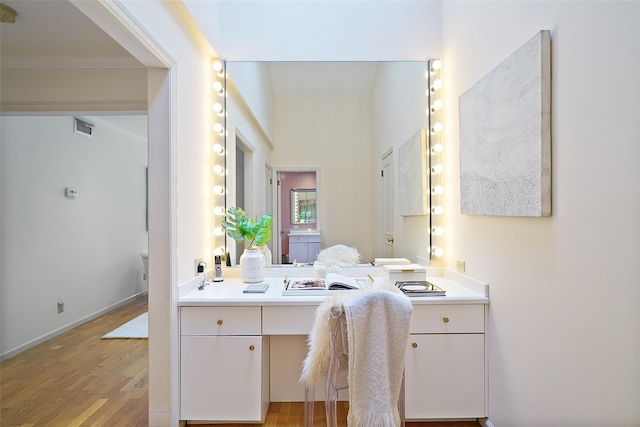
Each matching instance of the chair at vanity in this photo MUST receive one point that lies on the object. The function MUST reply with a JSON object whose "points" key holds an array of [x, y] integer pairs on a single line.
{"points": [[358, 346]]}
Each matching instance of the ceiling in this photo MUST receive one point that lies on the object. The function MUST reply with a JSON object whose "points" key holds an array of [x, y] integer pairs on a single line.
{"points": [[55, 34]]}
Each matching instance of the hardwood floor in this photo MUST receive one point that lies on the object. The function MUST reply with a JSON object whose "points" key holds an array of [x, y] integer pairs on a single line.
{"points": [[79, 379]]}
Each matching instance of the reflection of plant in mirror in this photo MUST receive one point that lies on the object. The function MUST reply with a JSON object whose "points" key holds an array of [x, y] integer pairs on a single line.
{"points": [[243, 228]]}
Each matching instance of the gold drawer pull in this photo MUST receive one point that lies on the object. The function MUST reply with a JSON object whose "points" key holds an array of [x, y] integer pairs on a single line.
{"points": [[251, 347], [414, 344], [445, 319], [220, 322]]}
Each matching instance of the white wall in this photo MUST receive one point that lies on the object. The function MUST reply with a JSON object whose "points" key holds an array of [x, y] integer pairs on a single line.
{"points": [[332, 134], [564, 330], [59, 89], [320, 30], [253, 81], [84, 251], [250, 118]]}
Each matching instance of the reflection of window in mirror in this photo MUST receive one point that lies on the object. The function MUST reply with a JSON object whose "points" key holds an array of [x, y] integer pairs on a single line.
{"points": [[303, 206]]}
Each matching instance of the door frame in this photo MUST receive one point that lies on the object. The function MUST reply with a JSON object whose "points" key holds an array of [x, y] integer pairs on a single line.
{"points": [[276, 228]]}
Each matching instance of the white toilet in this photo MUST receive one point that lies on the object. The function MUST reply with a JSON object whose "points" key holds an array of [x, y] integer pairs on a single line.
{"points": [[145, 262]]}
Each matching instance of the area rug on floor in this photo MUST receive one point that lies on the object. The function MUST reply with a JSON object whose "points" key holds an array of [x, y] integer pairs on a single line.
{"points": [[136, 328]]}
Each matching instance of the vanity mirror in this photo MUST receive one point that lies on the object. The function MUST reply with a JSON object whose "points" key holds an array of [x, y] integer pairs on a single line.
{"points": [[303, 206], [346, 120]]}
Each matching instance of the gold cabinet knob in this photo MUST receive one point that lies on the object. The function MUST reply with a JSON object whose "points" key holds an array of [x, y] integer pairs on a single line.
{"points": [[251, 347], [445, 319], [220, 322], [414, 344]]}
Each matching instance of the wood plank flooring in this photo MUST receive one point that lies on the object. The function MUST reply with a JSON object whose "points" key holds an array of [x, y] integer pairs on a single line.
{"points": [[77, 379]]}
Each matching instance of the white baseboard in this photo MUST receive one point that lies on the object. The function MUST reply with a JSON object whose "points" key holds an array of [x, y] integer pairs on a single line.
{"points": [[68, 327]]}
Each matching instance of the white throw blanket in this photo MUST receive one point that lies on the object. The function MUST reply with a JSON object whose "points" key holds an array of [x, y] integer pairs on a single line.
{"points": [[378, 332]]}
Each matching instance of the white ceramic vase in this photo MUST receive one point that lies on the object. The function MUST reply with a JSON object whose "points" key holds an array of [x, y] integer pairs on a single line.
{"points": [[267, 254], [252, 264]]}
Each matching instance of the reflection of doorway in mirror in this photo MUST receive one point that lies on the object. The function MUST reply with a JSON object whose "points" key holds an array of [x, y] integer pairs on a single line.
{"points": [[287, 181], [268, 201], [240, 200], [387, 203]]}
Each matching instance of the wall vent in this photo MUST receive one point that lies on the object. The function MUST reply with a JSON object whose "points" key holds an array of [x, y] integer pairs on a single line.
{"points": [[83, 127]]}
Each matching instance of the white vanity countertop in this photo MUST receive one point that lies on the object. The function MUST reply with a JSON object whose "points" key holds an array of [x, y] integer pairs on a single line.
{"points": [[460, 290], [304, 231]]}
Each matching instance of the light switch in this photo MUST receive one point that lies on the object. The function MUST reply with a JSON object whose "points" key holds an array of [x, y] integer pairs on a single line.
{"points": [[71, 193]]}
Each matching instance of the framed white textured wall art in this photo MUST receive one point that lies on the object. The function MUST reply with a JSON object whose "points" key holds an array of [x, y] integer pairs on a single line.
{"points": [[413, 177], [505, 136]]}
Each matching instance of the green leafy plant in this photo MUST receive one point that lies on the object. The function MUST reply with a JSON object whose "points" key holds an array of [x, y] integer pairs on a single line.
{"points": [[243, 228]]}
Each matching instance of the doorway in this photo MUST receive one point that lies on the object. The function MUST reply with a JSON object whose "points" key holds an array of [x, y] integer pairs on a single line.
{"points": [[387, 203], [289, 184]]}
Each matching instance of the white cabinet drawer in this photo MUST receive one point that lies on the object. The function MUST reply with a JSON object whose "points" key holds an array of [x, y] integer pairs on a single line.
{"points": [[314, 238], [221, 321], [297, 239], [293, 320], [311, 238], [447, 319]]}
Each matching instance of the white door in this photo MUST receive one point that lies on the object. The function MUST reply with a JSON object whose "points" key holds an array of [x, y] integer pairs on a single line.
{"points": [[387, 204]]}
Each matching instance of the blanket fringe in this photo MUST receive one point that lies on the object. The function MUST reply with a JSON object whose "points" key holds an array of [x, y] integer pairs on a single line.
{"points": [[367, 419]]}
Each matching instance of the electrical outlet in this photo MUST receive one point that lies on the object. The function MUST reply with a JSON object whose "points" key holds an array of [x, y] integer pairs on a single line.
{"points": [[460, 266], [198, 261], [60, 306]]}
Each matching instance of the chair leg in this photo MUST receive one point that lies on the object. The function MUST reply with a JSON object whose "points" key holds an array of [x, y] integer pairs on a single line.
{"points": [[331, 393], [401, 402], [309, 401]]}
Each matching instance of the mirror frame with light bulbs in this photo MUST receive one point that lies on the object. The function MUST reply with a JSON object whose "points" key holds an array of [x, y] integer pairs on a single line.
{"points": [[218, 155], [434, 162]]}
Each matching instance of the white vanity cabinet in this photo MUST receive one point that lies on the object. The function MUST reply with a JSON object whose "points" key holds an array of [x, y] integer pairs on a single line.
{"points": [[445, 362], [227, 337], [224, 361], [304, 247]]}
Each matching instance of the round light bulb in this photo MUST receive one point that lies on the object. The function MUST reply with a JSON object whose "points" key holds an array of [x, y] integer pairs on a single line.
{"points": [[437, 210], [437, 148], [218, 231], [438, 189], [217, 107], [218, 210], [218, 128], [437, 104], [217, 65], [218, 148], [437, 127], [217, 86], [436, 169], [436, 65], [218, 189], [437, 231], [437, 84], [218, 251], [218, 170], [438, 251]]}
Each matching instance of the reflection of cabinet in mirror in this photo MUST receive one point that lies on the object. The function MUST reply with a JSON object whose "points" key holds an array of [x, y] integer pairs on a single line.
{"points": [[304, 247], [303, 206]]}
